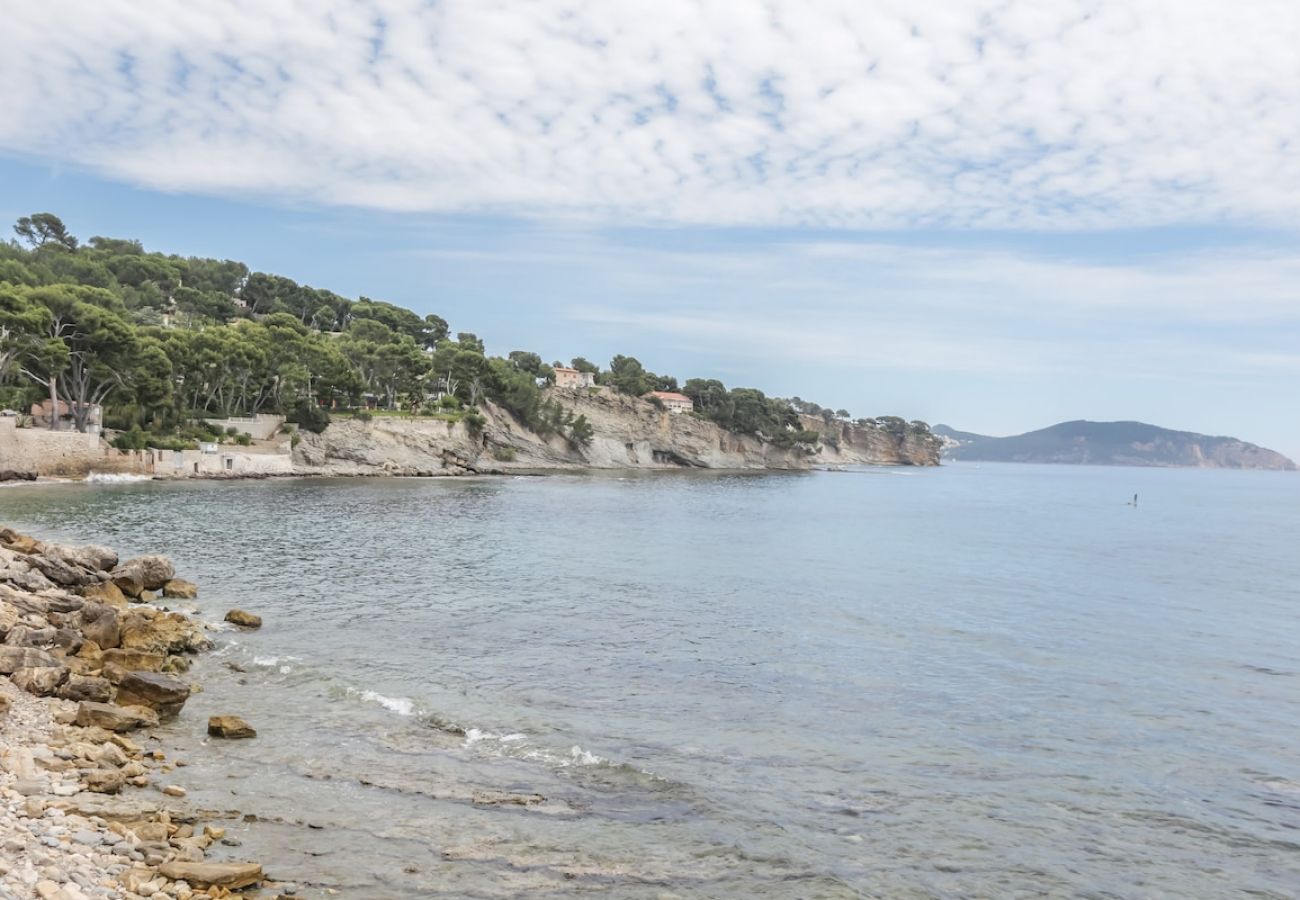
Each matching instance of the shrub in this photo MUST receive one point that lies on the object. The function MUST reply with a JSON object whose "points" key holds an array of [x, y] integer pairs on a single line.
{"points": [[363, 415], [474, 422], [310, 417], [504, 454], [243, 440]]}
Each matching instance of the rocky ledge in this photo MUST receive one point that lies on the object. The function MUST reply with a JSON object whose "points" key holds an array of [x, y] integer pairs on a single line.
{"points": [[85, 809]]}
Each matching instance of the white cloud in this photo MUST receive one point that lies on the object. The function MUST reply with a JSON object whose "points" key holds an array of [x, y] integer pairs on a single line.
{"points": [[893, 113]]}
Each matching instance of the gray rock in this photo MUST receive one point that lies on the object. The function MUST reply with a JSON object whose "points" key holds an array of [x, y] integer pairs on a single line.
{"points": [[165, 694], [13, 658], [144, 573], [39, 680], [100, 623]]}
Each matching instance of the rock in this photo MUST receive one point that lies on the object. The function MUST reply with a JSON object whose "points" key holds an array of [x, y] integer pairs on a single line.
{"points": [[21, 543], [111, 755], [27, 636], [5, 703], [230, 727], [12, 658], [115, 718], [90, 556], [86, 687], [180, 589], [243, 619], [39, 680], [174, 790], [144, 573], [128, 810], [165, 694], [104, 781], [100, 623], [232, 876], [134, 660], [105, 592], [170, 633], [62, 572]]}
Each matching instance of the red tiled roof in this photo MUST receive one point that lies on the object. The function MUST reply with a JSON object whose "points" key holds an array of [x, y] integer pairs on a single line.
{"points": [[670, 395]]}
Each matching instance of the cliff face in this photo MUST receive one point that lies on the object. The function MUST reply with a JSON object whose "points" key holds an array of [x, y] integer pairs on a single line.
{"points": [[629, 433]]}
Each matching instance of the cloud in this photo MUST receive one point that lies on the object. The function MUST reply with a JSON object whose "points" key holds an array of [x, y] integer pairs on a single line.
{"points": [[836, 113]]}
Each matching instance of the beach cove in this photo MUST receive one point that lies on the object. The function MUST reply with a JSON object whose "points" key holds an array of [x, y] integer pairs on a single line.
{"points": [[991, 680]]}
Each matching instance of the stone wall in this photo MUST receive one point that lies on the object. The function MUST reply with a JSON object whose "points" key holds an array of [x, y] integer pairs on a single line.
{"points": [[67, 453]]}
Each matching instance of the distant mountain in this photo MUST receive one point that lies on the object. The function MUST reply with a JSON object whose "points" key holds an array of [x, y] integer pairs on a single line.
{"points": [[951, 437], [1112, 444]]}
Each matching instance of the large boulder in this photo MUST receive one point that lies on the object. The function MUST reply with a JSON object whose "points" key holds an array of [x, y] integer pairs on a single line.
{"points": [[27, 636], [244, 619], [62, 572], [164, 694], [231, 876], [100, 623], [169, 633], [89, 557], [180, 589], [105, 592], [144, 573], [114, 718], [230, 727], [42, 681], [86, 687], [14, 658], [21, 543]]}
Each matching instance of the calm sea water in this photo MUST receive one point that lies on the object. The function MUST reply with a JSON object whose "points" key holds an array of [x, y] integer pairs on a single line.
{"points": [[990, 681]]}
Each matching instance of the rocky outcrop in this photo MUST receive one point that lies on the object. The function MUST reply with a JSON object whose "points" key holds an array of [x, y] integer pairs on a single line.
{"points": [[628, 433], [231, 727]]}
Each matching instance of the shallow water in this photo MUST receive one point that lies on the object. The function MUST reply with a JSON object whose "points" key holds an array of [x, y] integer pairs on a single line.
{"points": [[973, 681]]}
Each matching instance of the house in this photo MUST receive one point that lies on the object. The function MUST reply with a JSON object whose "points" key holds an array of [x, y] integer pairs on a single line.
{"points": [[64, 420], [573, 379], [673, 402]]}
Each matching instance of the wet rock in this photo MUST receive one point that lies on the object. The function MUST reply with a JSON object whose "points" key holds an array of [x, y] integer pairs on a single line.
{"points": [[165, 694], [243, 619], [12, 658], [174, 790], [180, 589], [115, 718], [39, 680], [105, 592], [100, 623], [230, 727], [231, 876], [144, 573], [86, 687], [128, 810]]}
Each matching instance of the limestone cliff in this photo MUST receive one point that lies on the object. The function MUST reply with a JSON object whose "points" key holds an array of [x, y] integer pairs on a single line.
{"points": [[629, 433]]}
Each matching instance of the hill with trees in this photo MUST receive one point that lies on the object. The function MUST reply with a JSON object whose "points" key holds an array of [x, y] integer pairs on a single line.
{"points": [[1112, 444], [163, 342]]}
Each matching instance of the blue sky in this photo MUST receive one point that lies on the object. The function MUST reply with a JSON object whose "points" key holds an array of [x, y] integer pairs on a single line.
{"points": [[997, 216]]}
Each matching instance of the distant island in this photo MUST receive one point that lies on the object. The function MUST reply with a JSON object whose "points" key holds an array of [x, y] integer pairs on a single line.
{"points": [[1112, 444]]}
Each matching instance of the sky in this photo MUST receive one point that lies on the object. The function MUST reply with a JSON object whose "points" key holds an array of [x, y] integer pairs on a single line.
{"points": [[996, 215]]}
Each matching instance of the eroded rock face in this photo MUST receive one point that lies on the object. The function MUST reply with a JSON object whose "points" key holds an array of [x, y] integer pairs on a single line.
{"points": [[115, 718], [165, 694], [230, 727], [161, 633], [144, 573], [134, 660]]}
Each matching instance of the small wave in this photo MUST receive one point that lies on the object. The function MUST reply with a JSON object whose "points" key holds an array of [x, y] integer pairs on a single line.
{"points": [[403, 706], [115, 478]]}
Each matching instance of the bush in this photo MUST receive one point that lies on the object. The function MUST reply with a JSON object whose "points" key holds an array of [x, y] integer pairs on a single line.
{"points": [[130, 440], [474, 422], [504, 454], [310, 417], [450, 401], [243, 440], [362, 415]]}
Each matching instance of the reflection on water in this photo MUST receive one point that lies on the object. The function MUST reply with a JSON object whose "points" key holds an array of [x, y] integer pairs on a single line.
{"points": [[986, 681]]}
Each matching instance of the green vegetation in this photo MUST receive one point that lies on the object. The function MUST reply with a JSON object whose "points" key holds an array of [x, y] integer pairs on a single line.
{"points": [[163, 341]]}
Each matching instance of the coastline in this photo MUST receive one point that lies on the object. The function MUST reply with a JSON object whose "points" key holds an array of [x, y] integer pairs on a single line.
{"points": [[92, 666]]}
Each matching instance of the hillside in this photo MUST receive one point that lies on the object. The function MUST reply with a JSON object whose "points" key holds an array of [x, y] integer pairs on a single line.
{"points": [[627, 433], [1113, 444]]}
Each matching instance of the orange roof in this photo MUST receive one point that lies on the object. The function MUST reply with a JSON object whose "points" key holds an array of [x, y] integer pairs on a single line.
{"points": [[670, 395]]}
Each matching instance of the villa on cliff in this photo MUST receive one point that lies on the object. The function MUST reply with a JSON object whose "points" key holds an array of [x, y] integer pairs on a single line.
{"points": [[673, 402], [573, 379]]}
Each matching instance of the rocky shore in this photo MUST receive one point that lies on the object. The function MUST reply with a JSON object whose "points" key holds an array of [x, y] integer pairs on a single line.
{"points": [[91, 804]]}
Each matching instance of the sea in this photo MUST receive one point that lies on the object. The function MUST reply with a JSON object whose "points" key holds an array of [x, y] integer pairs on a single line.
{"points": [[978, 680]]}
